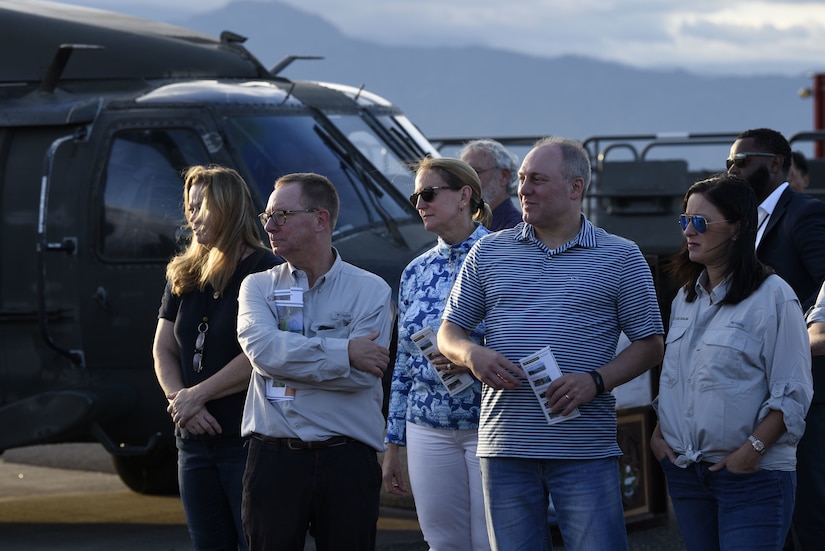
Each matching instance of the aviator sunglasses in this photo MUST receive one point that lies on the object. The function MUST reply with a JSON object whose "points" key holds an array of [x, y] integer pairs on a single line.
{"points": [[200, 340], [700, 223], [427, 194], [741, 159]]}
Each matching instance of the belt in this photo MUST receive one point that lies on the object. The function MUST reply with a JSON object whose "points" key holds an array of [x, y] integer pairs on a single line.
{"points": [[298, 444]]}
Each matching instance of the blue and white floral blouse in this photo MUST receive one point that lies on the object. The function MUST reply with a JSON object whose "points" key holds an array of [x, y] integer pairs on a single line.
{"points": [[417, 395]]}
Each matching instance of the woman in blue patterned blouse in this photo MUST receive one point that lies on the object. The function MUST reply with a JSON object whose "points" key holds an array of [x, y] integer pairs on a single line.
{"points": [[438, 428]]}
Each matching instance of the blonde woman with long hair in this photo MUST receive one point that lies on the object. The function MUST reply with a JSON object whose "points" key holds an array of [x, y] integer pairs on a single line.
{"points": [[198, 361]]}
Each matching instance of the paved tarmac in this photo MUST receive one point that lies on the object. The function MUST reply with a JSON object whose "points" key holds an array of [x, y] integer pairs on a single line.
{"points": [[66, 497]]}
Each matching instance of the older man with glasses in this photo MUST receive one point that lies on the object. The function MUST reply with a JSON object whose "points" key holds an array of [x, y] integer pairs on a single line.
{"points": [[791, 240], [316, 330], [497, 170]]}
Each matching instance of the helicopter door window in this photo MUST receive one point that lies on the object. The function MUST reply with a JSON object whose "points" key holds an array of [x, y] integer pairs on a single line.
{"points": [[142, 213]]}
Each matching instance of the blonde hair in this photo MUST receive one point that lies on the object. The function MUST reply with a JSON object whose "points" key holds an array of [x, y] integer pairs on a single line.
{"points": [[227, 202], [456, 173]]}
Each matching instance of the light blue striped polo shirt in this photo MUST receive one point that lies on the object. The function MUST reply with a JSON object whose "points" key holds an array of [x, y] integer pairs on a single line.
{"points": [[577, 299]]}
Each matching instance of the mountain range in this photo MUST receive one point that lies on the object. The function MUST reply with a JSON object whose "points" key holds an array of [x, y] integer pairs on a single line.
{"points": [[476, 91]]}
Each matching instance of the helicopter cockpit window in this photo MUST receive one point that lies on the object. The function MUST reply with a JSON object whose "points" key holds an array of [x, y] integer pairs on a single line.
{"points": [[377, 152], [142, 212], [268, 155]]}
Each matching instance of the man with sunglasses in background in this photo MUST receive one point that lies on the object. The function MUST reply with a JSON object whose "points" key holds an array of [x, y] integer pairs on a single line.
{"points": [[497, 170], [316, 331], [791, 240]]}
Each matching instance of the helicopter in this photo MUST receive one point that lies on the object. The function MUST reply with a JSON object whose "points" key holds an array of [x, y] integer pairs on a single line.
{"points": [[99, 115]]}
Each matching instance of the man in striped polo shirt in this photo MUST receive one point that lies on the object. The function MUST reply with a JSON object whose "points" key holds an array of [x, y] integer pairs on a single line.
{"points": [[554, 280]]}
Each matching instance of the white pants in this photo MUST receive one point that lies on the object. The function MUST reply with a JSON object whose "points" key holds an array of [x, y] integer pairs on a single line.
{"points": [[446, 483]]}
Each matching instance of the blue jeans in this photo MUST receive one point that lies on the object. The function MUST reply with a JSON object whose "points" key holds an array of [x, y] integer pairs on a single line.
{"points": [[586, 495], [210, 475], [726, 511]]}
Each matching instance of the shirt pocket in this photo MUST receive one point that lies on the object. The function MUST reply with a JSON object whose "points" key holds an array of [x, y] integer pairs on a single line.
{"points": [[722, 357], [335, 329], [670, 366]]}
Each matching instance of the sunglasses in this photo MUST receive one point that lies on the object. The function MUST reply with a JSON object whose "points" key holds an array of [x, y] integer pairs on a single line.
{"points": [[700, 223], [200, 340], [428, 194], [741, 159]]}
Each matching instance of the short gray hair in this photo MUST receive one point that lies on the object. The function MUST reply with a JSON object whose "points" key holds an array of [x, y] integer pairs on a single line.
{"points": [[575, 161], [502, 157]]}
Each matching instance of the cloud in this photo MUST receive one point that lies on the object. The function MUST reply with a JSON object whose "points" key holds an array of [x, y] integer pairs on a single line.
{"points": [[735, 35]]}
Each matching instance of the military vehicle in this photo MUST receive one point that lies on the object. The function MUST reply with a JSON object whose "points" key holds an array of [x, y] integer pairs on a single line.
{"points": [[99, 113]]}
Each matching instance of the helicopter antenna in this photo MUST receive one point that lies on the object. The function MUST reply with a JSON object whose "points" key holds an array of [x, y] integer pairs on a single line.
{"points": [[228, 37], [360, 89], [286, 61], [58, 65], [289, 92]]}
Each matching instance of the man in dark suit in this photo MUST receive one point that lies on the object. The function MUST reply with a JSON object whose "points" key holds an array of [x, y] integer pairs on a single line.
{"points": [[791, 239]]}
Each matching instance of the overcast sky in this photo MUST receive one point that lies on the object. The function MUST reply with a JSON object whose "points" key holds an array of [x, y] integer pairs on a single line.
{"points": [[716, 36]]}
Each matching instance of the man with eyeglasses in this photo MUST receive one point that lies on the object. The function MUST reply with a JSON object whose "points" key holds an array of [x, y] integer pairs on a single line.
{"points": [[316, 331], [497, 170], [791, 240], [555, 281]]}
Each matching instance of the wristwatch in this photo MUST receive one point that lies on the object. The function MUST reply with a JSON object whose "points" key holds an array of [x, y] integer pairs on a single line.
{"points": [[757, 444]]}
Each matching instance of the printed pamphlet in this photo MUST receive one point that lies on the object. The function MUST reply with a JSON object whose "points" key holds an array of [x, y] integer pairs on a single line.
{"points": [[426, 342], [289, 308], [541, 370]]}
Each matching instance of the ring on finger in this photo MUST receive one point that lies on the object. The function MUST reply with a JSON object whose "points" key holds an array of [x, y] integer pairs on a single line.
{"points": [[568, 397]]}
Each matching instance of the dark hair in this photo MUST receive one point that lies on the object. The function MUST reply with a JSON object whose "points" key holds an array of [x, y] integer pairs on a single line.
{"points": [[772, 141], [800, 162], [316, 192], [736, 201]]}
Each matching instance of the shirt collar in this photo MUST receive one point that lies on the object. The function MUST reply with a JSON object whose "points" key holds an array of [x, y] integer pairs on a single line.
{"points": [[717, 293], [771, 200], [445, 248], [585, 238], [300, 278]]}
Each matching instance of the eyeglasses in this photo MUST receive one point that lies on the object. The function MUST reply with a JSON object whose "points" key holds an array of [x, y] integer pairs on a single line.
{"points": [[428, 194], [200, 340], [481, 171], [279, 216], [741, 159], [700, 223]]}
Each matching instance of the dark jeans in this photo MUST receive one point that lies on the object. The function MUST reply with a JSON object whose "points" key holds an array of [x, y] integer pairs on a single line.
{"points": [[728, 511], [333, 492], [210, 473], [809, 516]]}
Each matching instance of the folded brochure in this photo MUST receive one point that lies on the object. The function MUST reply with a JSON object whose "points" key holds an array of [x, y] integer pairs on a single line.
{"points": [[426, 342], [541, 370]]}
